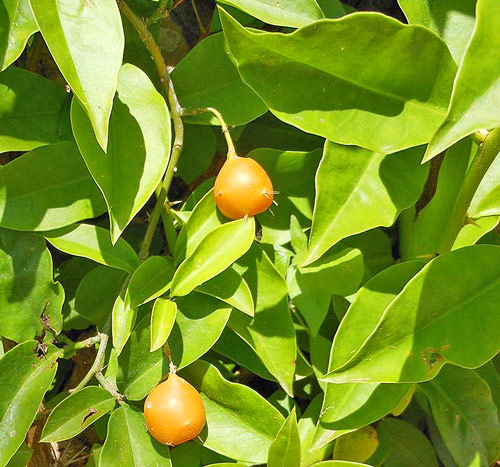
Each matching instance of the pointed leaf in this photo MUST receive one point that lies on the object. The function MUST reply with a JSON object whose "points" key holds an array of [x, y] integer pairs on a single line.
{"points": [[162, 321], [199, 323], [138, 149], [378, 107], [28, 293], [123, 321], [129, 443], [215, 253], [26, 376], [475, 101], [94, 243], [357, 190], [15, 34], [60, 194], [240, 423], [75, 33], [75, 413], [285, 449], [446, 313]]}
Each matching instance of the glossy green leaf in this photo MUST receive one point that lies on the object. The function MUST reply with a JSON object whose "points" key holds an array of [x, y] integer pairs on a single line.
{"points": [[30, 110], [292, 174], [433, 219], [453, 20], [270, 332], [206, 77], [486, 200], [14, 35], [489, 374], [381, 107], [311, 288], [357, 190], [240, 423], [215, 253], [356, 446], [27, 290], [150, 280], [471, 233], [446, 313], [129, 443], [75, 33], [285, 449], [231, 288], [475, 100], [407, 444], [465, 415], [75, 413], [204, 218], [367, 310], [138, 150], [94, 243], [60, 194], [292, 13], [26, 376], [340, 464], [139, 369], [21, 457], [162, 321], [123, 321], [97, 293], [199, 323]]}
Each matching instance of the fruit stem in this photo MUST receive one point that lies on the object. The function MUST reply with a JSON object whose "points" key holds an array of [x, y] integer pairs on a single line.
{"points": [[487, 152], [231, 151], [175, 109], [171, 365]]}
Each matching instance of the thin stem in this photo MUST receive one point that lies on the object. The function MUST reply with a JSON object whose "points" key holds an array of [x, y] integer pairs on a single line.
{"points": [[160, 13], [231, 151], [198, 17], [97, 365], [487, 153], [172, 366], [175, 110], [71, 347], [109, 386]]}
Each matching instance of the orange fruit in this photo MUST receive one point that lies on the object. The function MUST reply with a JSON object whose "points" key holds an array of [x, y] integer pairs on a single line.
{"points": [[174, 411], [242, 188]]}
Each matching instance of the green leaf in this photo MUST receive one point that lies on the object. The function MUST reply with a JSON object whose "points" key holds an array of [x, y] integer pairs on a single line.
{"points": [[215, 253], [123, 321], [26, 376], [356, 446], [407, 444], [206, 77], [292, 174], [75, 33], [15, 34], [97, 294], [138, 149], [486, 199], [150, 280], [30, 110], [204, 218], [489, 373], [60, 194], [94, 243], [367, 310], [340, 464], [129, 443], [475, 100], [377, 106], [162, 321], [465, 415], [298, 238], [446, 313], [292, 13], [75, 413], [240, 423], [199, 323], [453, 20], [311, 288], [285, 449], [471, 233], [27, 290], [270, 333], [433, 219], [357, 190], [231, 288], [332, 8], [21, 457], [140, 370]]}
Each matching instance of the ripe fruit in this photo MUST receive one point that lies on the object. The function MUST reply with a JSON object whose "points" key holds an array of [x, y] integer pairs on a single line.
{"points": [[242, 188], [174, 411]]}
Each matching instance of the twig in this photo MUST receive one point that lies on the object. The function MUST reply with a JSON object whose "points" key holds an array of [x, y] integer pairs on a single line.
{"points": [[97, 365], [198, 17], [161, 12]]}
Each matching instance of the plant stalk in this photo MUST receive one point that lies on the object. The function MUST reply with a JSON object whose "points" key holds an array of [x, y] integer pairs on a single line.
{"points": [[487, 153]]}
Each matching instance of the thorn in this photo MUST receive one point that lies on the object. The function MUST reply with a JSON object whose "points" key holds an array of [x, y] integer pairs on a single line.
{"points": [[469, 220], [271, 211], [275, 202], [245, 218]]}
